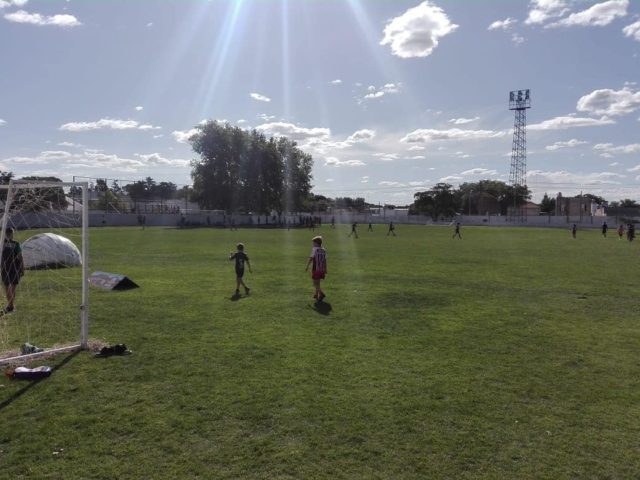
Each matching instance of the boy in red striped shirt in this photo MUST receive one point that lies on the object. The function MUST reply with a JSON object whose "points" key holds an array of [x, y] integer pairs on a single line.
{"points": [[318, 258]]}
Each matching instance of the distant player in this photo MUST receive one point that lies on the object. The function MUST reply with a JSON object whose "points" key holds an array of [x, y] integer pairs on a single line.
{"points": [[333, 222], [318, 260], [620, 231], [457, 232], [574, 230], [631, 232], [370, 229], [605, 227], [241, 258], [353, 229], [392, 229]]}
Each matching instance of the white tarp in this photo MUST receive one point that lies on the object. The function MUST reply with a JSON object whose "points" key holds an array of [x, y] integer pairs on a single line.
{"points": [[48, 250]]}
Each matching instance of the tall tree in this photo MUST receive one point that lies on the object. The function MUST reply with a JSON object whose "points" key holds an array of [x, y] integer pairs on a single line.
{"points": [[440, 201], [548, 205], [240, 169]]}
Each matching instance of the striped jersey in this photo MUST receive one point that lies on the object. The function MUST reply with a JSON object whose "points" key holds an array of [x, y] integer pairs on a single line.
{"points": [[319, 256]]}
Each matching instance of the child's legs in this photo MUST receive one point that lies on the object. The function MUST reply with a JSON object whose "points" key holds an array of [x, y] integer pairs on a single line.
{"points": [[316, 284], [10, 290]]}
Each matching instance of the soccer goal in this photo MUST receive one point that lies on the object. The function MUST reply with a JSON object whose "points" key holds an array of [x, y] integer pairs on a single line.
{"points": [[47, 222]]}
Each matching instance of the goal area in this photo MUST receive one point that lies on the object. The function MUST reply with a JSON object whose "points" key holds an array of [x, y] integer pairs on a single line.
{"points": [[45, 229]]}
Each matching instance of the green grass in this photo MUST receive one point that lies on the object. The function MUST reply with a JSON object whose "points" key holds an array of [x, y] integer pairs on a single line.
{"points": [[512, 353]]}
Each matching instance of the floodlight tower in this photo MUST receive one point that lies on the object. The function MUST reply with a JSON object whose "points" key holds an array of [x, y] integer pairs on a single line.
{"points": [[519, 101]]}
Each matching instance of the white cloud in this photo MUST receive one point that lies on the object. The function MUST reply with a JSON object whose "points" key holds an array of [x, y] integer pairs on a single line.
{"points": [[387, 183], [241, 121], [378, 92], [361, 136], [150, 24], [416, 148], [417, 31], [387, 157], [112, 161], [155, 159], [563, 177], [562, 123], [416, 157], [502, 24], [183, 136], [63, 20], [608, 149], [2, 122], [463, 121], [632, 31], [365, 179], [568, 144], [139, 108], [517, 39], [158, 136], [282, 129], [105, 123], [610, 102], [450, 179], [69, 144], [265, 117], [12, 3], [474, 172], [337, 81], [598, 15], [430, 135], [334, 162], [260, 98], [543, 10]]}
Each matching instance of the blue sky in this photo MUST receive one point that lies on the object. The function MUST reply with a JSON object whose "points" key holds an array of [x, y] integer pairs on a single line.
{"points": [[389, 96]]}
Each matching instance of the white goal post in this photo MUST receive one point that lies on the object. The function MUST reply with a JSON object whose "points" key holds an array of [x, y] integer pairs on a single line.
{"points": [[50, 221]]}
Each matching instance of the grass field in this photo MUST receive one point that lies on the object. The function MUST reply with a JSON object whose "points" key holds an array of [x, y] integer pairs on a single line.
{"points": [[512, 353]]}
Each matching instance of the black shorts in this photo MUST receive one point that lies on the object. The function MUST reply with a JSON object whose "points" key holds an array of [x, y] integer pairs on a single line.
{"points": [[239, 273], [11, 278]]}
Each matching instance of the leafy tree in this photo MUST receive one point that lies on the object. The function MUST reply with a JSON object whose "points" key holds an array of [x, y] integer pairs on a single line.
{"points": [[628, 203], [137, 191], [241, 169], [440, 201], [45, 198], [548, 205], [165, 190]]}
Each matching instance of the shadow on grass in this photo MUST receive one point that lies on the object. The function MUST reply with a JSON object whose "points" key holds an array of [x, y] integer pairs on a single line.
{"points": [[237, 296], [323, 308], [33, 383]]}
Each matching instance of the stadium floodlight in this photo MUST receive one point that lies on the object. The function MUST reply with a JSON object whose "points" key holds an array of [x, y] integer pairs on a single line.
{"points": [[52, 298], [519, 102]]}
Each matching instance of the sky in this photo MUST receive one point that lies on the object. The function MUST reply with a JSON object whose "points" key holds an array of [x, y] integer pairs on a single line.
{"points": [[389, 96]]}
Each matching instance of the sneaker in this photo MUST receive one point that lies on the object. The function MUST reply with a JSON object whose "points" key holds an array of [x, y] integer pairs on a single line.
{"points": [[321, 297], [237, 292], [247, 290], [7, 310]]}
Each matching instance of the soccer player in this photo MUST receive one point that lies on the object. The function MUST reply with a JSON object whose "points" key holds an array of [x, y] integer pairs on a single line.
{"points": [[12, 269], [620, 231], [605, 227], [241, 258], [370, 229], [318, 260], [574, 230], [457, 232], [353, 229], [392, 229]]}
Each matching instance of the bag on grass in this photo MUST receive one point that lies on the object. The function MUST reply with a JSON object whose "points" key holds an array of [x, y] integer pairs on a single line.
{"points": [[24, 373]]}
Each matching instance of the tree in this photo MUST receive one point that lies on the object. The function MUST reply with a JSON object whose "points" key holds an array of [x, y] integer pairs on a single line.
{"points": [[440, 201], [137, 191], [548, 205], [240, 169], [38, 199], [628, 203], [165, 190]]}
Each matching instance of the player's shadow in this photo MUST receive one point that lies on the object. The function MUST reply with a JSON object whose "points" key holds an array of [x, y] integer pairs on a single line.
{"points": [[33, 383], [236, 296], [323, 308]]}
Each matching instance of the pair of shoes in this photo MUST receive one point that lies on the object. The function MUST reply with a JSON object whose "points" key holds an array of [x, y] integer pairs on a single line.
{"points": [[247, 290], [7, 310]]}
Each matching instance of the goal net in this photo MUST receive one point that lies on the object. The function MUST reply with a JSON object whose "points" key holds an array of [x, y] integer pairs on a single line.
{"points": [[44, 230]]}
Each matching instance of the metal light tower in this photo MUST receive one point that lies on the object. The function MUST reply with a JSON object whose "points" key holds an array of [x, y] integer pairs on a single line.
{"points": [[519, 101]]}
